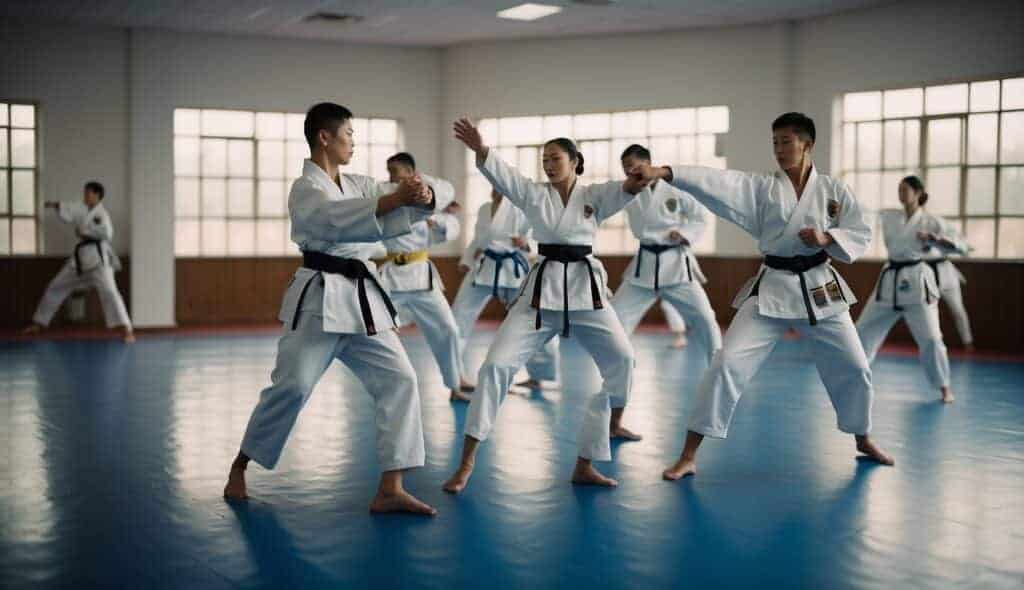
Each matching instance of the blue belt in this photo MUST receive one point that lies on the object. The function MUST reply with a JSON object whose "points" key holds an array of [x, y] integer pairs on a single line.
{"points": [[499, 258]]}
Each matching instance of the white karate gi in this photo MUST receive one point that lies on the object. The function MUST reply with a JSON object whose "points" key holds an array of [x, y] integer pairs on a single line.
{"points": [[914, 296], [598, 330], [950, 281], [479, 286], [675, 322], [93, 265], [323, 320], [416, 288], [653, 215], [766, 206]]}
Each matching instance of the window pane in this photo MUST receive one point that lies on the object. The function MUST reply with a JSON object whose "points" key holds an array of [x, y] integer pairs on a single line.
{"points": [[186, 238], [1011, 238], [521, 130], [862, 106], [215, 157], [706, 152], [665, 149], [214, 237], [629, 124], [985, 96], [227, 123], [713, 119], [186, 197], [296, 153], [270, 125], [23, 115], [23, 236], [271, 198], [478, 191], [293, 127], [598, 156], [981, 235], [361, 130], [270, 238], [1011, 191], [3, 114], [903, 103], [596, 125], [240, 158], [893, 144], [944, 191], [359, 164], [186, 122], [23, 148], [982, 136], [214, 198], [1013, 94], [869, 189], [379, 161], [383, 131], [186, 157], [687, 149], [529, 162], [951, 98], [4, 196], [240, 197], [5, 236], [849, 146], [981, 191], [242, 238], [890, 188], [869, 145], [271, 159], [912, 135], [1011, 150], [558, 126], [489, 130], [944, 141], [673, 121], [23, 192], [3, 147]]}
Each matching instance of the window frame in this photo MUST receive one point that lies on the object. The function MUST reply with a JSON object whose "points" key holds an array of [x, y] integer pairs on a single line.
{"points": [[8, 169]]}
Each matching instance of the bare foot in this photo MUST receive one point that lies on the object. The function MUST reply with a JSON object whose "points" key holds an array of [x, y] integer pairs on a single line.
{"points": [[33, 329], [467, 386], [458, 396], [401, 501], [681, 468], [235, 489], [621, 432], [679, 342], [457, 482], [947, 395], [586, 475], [872, 452], [129, 337]]}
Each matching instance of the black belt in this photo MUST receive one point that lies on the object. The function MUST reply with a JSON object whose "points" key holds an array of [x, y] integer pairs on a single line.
{"points": [[499, 258], [657, 249], [896, 266], [78, 249], [934, 263], [350, 268], [564, 254], [797, 265]]}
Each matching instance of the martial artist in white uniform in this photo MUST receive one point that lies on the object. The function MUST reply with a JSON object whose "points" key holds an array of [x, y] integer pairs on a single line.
{"points": [[668, 222], [907, 287], [800, 219], [334, 308], [413, 281], [496, 265], [92, 264], [950, 281], [564, 294]]}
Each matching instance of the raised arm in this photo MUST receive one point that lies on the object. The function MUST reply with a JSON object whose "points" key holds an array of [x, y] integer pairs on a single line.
{"points": [[730, 194], [609, 198], [945, 237], [352, 220]]}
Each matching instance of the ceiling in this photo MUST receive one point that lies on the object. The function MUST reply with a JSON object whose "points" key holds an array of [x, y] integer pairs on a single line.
{"points": [[431, 23]]}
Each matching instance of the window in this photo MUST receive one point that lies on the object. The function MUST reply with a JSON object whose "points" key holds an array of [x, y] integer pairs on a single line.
{"points": [[19, 182], [674, 136], [966, 141], [233, 171]]}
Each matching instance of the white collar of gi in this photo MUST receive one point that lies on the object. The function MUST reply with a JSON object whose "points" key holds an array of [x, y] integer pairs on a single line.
{"points": [[811, 178], [312, 170]]}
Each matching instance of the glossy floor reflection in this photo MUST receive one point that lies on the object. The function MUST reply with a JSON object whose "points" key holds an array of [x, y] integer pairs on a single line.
{"points": [[115, 458]]}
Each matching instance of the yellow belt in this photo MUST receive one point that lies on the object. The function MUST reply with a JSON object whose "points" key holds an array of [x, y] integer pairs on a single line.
{"points": [[403, 258]]}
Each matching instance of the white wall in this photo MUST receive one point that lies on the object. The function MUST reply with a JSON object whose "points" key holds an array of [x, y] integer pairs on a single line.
{"points": [[107, 96], [78, 78]]}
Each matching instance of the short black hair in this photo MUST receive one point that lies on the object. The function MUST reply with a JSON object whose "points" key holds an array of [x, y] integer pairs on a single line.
{"points": [[325, 115], [800, 123], [637, 151], [95, 187], [403, 158]]}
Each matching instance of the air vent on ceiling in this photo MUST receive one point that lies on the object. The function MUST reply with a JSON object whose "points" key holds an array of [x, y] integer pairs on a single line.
{"points": [[333, 18]]}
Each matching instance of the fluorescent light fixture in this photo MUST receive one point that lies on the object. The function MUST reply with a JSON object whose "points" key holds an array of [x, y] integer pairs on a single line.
{"points": [[529, 11]]}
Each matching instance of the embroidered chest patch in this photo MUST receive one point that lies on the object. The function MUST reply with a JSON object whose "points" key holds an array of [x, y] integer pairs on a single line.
{"points": [[672, 205], [833, 208], [588, 211]]}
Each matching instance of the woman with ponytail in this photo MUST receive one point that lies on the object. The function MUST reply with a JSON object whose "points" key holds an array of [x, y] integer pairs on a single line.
{"points": [[908, 288], [564, 294]]}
